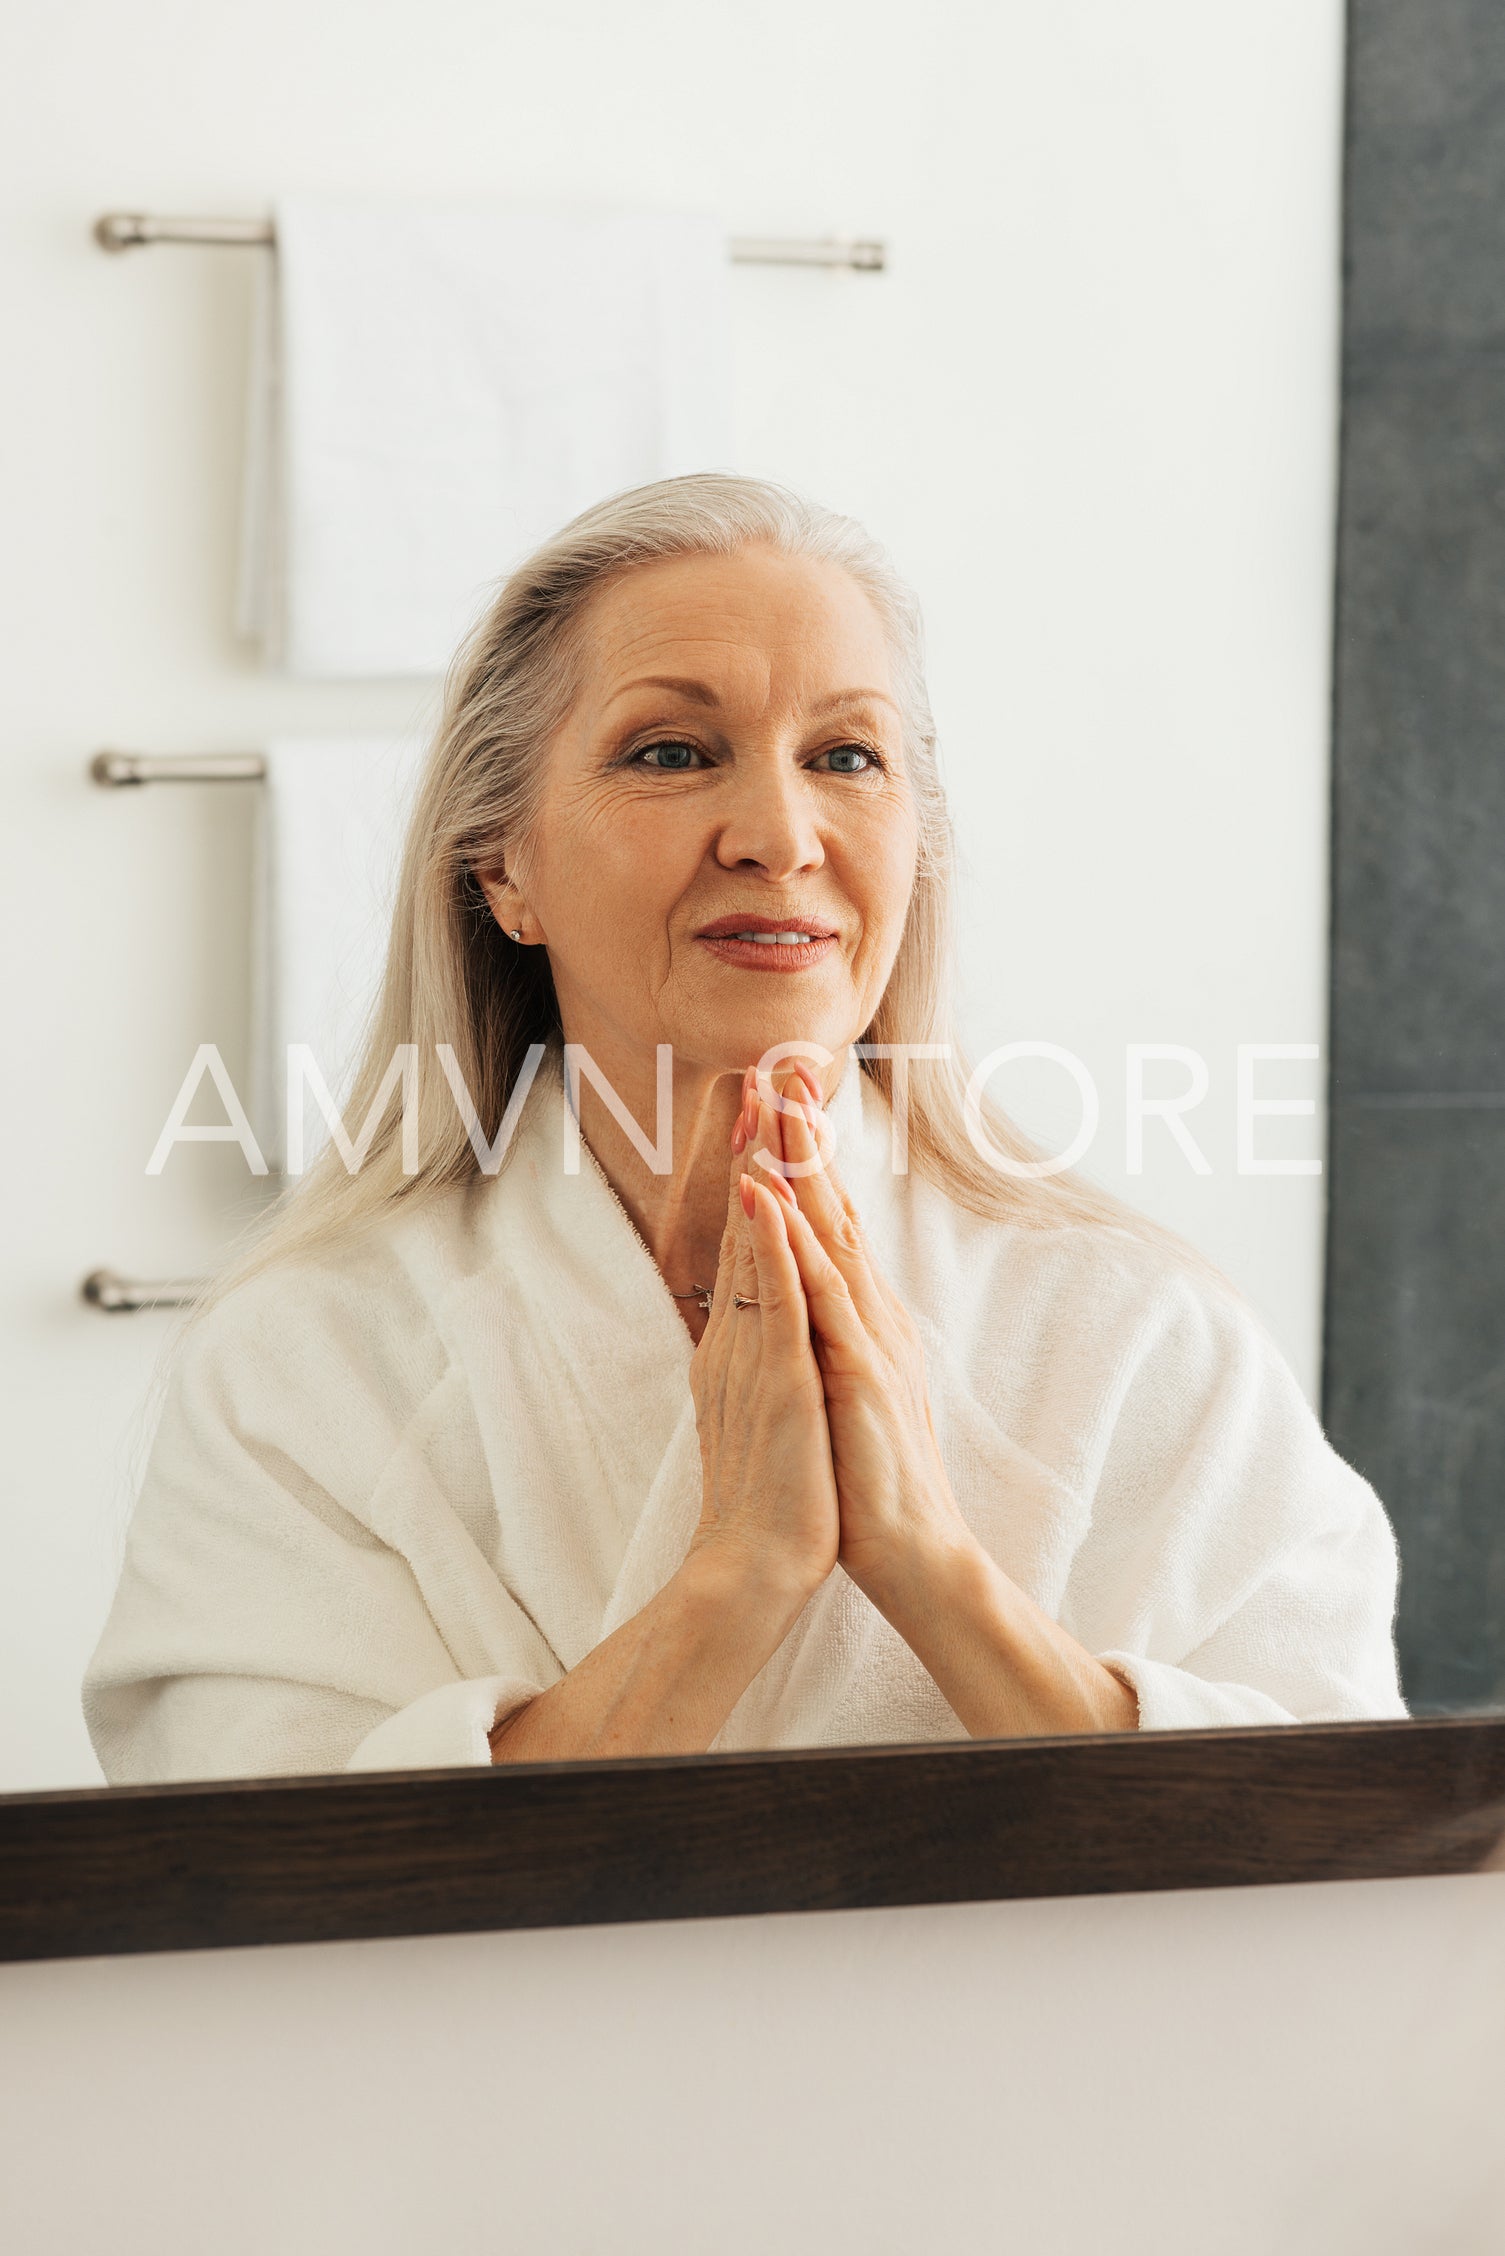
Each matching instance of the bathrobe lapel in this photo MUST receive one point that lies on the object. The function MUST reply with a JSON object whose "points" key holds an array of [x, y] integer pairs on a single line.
{"points": [[595, 1380]]}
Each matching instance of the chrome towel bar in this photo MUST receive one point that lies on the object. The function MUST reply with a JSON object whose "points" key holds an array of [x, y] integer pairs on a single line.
{"points": [[122, 1296], [180, 767], [127, 231]]}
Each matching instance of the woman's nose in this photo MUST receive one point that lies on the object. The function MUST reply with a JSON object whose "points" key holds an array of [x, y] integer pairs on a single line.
{"points": [[773, 821]]}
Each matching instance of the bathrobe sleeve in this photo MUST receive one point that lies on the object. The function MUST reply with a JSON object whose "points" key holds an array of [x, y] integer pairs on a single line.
{"points": [[1237, 1569], [302, 1588]]}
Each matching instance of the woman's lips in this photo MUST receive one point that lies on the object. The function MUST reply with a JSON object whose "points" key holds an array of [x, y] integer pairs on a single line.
{"points": [[768, 951], [757, 944]]}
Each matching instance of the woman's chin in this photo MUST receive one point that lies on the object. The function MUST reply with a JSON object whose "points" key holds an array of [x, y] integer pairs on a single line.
{"points": [[732, 1040], [790, 1034]]}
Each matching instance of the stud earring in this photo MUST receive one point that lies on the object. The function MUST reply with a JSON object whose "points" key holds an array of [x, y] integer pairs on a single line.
{"points": [[517, 935]]}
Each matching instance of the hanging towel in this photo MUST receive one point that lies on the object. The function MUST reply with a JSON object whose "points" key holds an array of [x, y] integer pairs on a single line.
{"points": [[435, 389], [328, 847]]}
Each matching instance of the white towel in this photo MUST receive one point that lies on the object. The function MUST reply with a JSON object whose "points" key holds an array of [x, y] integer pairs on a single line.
{"points": [[329, 844], [435, 389]]}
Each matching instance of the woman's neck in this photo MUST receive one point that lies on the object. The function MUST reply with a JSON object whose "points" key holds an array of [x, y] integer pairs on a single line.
{"points": [[680, 1214]]}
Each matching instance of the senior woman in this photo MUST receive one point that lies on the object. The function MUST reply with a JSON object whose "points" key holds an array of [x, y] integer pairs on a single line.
{"points": [[690, 1366]]}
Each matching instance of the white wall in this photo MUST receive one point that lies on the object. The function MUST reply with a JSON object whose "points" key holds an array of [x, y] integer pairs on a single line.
{"points": [[1277, 2072], [1091, 408]]}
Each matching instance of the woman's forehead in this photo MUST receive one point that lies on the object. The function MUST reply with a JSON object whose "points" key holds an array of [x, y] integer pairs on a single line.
{"points": [[711, 618]]}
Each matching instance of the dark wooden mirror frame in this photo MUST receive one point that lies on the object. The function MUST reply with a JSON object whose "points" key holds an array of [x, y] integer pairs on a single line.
{"points": [[567, 1844], [701, 1836]]}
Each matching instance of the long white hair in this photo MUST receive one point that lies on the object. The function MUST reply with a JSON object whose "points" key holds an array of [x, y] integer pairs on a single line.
{"points": [[452, 976]]}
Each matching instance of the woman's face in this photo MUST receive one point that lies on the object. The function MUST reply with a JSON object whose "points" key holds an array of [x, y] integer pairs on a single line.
{"points": [[727, 839]]}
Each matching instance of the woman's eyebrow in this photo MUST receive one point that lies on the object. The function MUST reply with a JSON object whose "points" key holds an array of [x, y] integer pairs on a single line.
{"points": [[854, 697], [699, 692]]}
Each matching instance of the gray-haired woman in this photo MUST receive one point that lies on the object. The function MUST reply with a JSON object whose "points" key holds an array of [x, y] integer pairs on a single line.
{"points": [[722, 1372]]}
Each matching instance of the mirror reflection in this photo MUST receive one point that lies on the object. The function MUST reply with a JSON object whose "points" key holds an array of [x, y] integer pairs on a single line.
{"points": [[709, 1128], [695, 1357]]}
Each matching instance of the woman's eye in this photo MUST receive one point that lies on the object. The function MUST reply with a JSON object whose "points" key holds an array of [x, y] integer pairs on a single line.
{"points": [[676, 757], [849, 759]]}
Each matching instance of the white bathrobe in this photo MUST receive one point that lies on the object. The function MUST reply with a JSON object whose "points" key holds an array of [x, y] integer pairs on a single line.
{"points": [[396, 1492]]}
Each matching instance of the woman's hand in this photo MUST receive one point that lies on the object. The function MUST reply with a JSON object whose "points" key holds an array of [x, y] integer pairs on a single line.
{"points": [[768, 1484], [1004, 1666], [667, 1679], [896, 1504]]}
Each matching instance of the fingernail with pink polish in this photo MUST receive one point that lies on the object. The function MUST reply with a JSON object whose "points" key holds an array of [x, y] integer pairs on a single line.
{"points": [[739, 1135]]}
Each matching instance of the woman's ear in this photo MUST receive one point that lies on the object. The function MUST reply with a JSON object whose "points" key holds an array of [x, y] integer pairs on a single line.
{"points": [[502, 897]]}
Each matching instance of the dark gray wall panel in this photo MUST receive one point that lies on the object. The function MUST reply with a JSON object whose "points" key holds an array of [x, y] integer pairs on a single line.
{"points": [[1416, 1390], [1414, 1366], [1425, 172], [1419, 866]]}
